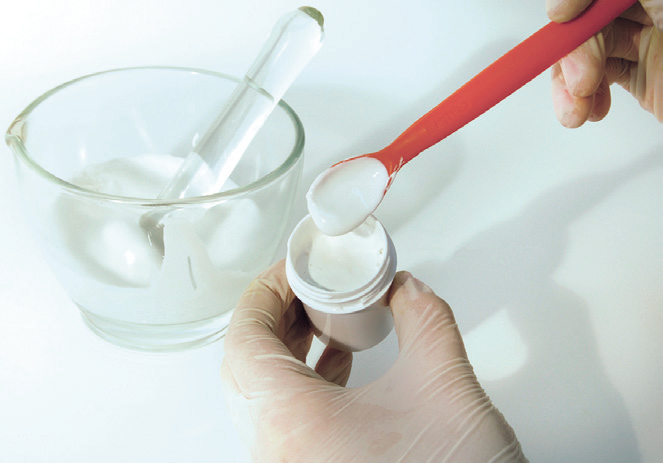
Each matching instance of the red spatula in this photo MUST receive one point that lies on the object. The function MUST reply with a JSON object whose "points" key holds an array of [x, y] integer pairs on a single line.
{"points": [[499, 80]]}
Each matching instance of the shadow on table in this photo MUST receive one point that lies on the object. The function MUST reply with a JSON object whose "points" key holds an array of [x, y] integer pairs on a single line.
{"points": [[512, 265]]}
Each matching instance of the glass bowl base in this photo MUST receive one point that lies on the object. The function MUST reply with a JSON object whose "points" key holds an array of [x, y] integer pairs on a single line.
{"points": [[157, 338]]}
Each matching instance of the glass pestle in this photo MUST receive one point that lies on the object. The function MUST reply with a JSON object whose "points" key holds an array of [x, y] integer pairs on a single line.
{"points": [[293, 42]]}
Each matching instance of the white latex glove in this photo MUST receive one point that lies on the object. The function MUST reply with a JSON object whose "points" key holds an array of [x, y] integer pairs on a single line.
{"points": [[629, 51], [429, 407]]}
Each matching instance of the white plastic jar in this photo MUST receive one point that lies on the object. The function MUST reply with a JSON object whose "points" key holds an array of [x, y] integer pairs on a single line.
{"points": [[343, 282]]}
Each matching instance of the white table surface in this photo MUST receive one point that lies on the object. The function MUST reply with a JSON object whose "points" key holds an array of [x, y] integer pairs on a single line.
{"points": [[547, 242]]}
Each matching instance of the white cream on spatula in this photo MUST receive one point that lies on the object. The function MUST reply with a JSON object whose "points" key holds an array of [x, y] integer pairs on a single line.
{"points": [[342, 197]]}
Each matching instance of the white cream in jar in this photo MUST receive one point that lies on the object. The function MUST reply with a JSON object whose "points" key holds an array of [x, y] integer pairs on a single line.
{"points": [[343, 282]]}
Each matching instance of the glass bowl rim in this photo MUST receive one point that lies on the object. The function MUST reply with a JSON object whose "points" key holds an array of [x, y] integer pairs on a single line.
{"points": [[14, 140]]}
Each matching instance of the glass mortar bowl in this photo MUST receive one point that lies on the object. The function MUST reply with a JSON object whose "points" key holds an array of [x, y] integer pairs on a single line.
{"points": [[99, 133]]}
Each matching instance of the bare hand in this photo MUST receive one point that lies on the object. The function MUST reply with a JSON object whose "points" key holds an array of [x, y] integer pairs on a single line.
{"points": [[629, 52]]}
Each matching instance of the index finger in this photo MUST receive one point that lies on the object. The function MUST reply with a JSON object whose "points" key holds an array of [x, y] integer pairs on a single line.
{"points": [[267, 339], [268, 302]]}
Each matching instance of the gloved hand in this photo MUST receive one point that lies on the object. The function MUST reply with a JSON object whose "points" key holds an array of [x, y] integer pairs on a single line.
{"points": [[629, 51], [428, 407]]}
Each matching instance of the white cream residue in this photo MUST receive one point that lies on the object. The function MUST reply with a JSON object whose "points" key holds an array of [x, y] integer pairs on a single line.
{"points": [[139, 177], [342, 197], [208, 258], [345, 262]]}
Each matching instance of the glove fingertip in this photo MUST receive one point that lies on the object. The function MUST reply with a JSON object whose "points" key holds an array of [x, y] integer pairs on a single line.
{"points": [[424, 322]]}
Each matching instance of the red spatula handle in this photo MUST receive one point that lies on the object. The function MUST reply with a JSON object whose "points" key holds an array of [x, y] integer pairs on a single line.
{"points": [[499, 80]]}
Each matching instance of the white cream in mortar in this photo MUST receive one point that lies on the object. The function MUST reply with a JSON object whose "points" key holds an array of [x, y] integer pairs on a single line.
{"points": [[116, 262], [342, 197]]}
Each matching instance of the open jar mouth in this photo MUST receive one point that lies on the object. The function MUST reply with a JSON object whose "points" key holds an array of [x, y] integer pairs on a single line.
{"points": [[370, 287], [15, 139]]}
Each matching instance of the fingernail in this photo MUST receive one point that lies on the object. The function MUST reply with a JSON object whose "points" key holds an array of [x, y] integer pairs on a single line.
{"points": [[657, 18], [551, 7], [572, 73], [565, 10], [557, 10]]}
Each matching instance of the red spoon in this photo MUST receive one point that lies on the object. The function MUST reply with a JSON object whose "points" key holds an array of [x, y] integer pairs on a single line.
{"points": [[340, 200]]}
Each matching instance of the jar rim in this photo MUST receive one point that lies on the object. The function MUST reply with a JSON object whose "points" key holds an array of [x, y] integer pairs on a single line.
{"points": [[349, 301]]}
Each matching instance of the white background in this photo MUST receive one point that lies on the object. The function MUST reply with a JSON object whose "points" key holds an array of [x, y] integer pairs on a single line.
{"points": [[547, 242]]}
